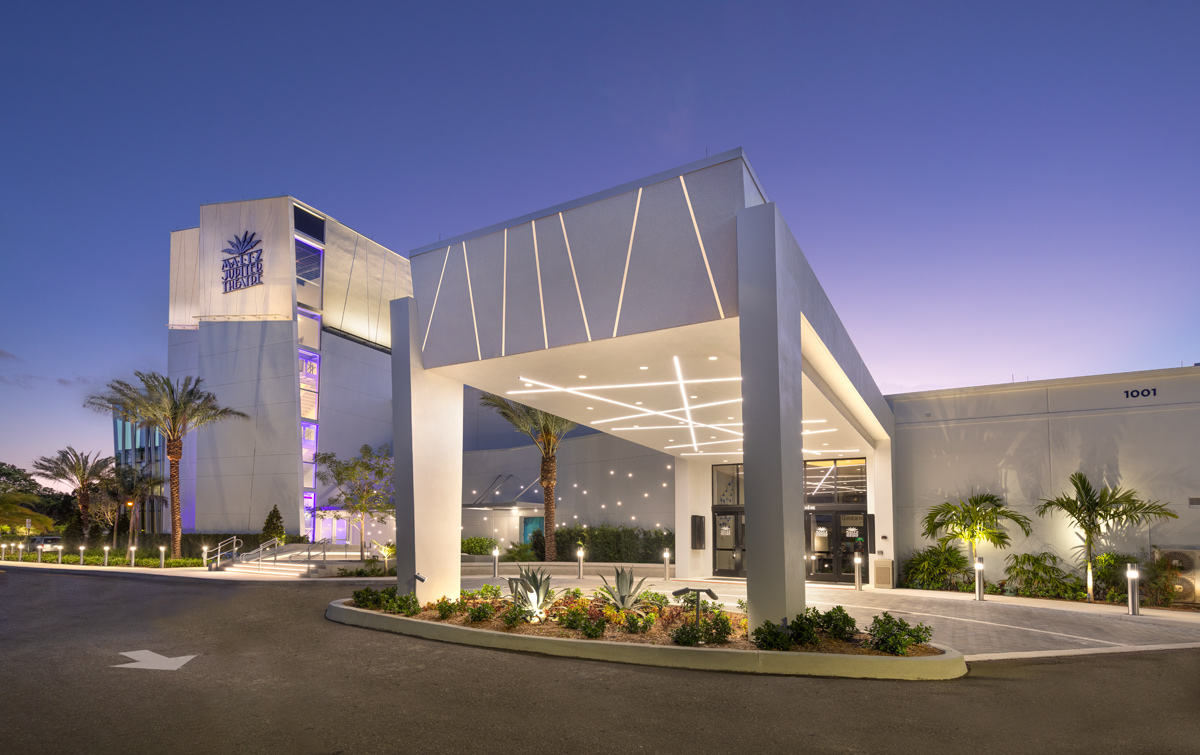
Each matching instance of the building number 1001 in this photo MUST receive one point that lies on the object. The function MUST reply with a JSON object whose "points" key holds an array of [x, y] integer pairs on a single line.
{"points": [[1143, 393]]}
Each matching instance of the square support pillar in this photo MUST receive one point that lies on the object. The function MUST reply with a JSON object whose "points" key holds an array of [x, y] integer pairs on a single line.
{"points": [[769, 311], [693, 497], [427, 428]]}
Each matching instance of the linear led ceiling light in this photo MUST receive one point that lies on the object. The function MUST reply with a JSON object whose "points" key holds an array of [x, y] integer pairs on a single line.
{"points": [[687, 410]]}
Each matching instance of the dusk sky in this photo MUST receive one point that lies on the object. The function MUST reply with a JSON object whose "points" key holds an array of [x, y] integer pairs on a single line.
{"points": [[986, 190]]}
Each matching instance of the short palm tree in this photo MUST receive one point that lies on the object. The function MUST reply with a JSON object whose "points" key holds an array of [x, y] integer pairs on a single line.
{"points": [[547, 431], [81, 472], [174, 408], [132, 485], [1091, 511], [975, 520]]}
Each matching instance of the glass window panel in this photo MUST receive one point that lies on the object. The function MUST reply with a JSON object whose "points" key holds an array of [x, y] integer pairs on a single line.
{"points": [[310, 474], [820, 482], [310, 371], [308, 326], [308, 274], [725, 491], [308, 441], [309, 224], [308, 404]]}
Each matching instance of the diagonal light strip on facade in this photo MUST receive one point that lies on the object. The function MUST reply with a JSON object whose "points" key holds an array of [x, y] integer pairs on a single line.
{"points": [[575, 277], [628, 254], [541, 301], [504, 296], [471, 298], [432, 309], [628, 385], [686, 409], [704, 254], [645, 412]]}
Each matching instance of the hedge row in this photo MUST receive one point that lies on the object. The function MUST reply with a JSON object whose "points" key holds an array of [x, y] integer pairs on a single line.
{"points": [[606, 543]]}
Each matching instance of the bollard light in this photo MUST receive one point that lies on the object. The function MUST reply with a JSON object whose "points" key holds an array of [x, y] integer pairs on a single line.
{"points": [[666, 563], [162, 557], [21, 556], [3, 551], [579, 555], [81, 555], [59, 554], [495, 563], [979, 578], [132, 555], [204, 555], [40, 549], [106, 555], [1131, 577], [857, 572]]}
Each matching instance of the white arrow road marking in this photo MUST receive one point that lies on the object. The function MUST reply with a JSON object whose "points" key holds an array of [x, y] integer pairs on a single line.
{"points": [[152, 660]]}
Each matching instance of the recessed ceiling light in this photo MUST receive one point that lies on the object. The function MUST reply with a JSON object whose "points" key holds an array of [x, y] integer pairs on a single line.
{"points": [[670, 440], [589, 408], [602, 505], [824, 444], [583, 377], [612, 471], [529, 385], [712, 359], [643, 368], [639, 403], [691, 397], [668, 466]]}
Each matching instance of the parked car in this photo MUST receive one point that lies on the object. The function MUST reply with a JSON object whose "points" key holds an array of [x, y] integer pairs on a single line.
{"points": [[48, 542]]}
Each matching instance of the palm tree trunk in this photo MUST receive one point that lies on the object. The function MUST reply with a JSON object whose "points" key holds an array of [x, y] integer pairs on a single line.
{"points": [[549, 480], [174, 454], [85, 516]]}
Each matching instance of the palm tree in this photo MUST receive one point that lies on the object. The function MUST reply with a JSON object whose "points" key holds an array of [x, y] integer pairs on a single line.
{"points": [[174, 409], [132, 485], [974, 520], [82, 472], [1092, 511], [547, 431]]}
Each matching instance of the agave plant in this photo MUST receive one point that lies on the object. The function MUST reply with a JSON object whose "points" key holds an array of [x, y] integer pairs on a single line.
{"points": [[531, 592], [623, 594]]}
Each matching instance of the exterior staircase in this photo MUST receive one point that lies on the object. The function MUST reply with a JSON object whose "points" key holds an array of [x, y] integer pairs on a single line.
{"points": [[294, 570]]}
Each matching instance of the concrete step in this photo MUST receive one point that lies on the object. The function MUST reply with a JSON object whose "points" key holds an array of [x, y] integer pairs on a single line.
{"points": [[280, 569]]}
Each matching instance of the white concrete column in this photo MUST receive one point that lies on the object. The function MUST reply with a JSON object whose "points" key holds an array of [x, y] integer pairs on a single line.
{"points": [[693, 497], [879, 503], [427, 414], [769, 311]]}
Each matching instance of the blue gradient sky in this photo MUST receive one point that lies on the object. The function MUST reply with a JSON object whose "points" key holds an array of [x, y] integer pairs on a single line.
{"points": [[986, 190]]}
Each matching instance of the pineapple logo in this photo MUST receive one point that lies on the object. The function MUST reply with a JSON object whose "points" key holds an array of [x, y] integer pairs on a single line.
{"points": [[244, 267]]}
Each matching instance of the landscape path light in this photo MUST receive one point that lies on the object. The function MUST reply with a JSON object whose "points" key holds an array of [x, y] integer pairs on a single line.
{"points": [[667, 563], [979, 578], [1131, 577], [204, 556], [3, 551], [41, 549], [106, 555], [697, 590], [495, 563], [857, 572], [59, 554], [162, 557], [579, 555]]}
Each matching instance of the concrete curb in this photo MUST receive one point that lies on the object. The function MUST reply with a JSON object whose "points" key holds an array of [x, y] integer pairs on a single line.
{"points": [[950, 665]]}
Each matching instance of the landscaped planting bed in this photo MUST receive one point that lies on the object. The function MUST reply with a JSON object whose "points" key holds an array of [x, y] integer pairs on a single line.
{"points": [[621, 612]]}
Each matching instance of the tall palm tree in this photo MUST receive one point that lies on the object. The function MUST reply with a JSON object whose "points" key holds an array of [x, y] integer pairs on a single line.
{"points": [[82, 472], [174, 408], [974, 520], [1091, 511], [132, 485], [547, 431]]}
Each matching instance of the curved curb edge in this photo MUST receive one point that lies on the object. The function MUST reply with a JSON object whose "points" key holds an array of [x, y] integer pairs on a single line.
{"points": [[949, 665]]}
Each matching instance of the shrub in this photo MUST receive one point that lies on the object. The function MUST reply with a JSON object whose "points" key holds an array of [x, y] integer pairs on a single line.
{"points": [[273, 526], [895, 636], [1039, 575], [838, 624], [491, 592], [574, 617], [1158, 581], [607, 543], [716, 628], [771, 636], [478, 546], [514, 616], [1108, 571], [593, 629], [519, 552], [481, 612], [635, 624], [803, 629], [446, 607], [655, 600], [687, 634], [937, 567], [993, 588], [366, 598], [573, 593]]}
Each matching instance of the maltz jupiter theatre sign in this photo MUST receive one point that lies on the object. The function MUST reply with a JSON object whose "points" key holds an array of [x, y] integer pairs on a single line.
{"points": [[244, 268]]}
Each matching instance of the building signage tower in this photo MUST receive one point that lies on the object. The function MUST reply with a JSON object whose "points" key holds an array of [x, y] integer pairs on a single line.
{"points": [[244, 267]]}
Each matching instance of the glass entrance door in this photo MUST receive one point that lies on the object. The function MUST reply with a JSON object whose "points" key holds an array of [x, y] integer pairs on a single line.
{"points": [[831, 539], [729, 542]]}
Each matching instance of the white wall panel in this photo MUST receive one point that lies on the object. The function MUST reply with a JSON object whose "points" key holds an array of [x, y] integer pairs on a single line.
{"points": [[564, 318], [184, 304], [360, 278], [271, 221]]}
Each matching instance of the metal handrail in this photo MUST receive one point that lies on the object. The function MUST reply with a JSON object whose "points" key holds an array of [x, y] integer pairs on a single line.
{"points": [[257, 554], [228, 546], [308, 552]]}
